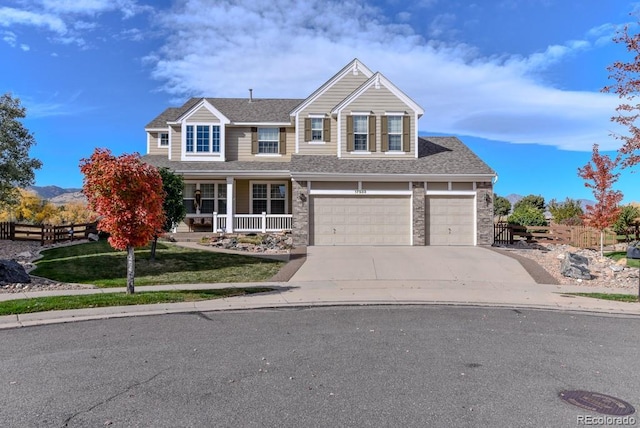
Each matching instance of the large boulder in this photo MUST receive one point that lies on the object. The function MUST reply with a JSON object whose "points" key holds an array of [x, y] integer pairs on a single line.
{"points": [[575, 266], [633, 251], [12, 272]]}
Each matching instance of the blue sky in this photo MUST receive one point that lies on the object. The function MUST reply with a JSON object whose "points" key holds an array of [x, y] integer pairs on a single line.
{"points": [[517, 80]]}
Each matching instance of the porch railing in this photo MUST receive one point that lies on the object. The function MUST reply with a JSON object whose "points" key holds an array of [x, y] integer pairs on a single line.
{"points": [[261, 222], [244, 222]]}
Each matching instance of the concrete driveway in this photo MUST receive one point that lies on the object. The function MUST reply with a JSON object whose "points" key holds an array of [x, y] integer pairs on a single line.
{"points": [[354, 263]]}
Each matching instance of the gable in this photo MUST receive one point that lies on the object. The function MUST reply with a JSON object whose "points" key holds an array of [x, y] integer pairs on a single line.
{"points": [[335, 89], [379, 89]]}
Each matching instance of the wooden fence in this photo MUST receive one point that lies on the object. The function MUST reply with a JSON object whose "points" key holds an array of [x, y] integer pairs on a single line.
{"points": [[577, 236], [45, 234]]}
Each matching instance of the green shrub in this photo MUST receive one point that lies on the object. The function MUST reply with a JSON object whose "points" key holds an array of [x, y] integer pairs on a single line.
{"points": [[527, 215]]}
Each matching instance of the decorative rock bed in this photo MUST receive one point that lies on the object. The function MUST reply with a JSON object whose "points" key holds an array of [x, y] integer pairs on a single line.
{"points": [[277, 243]]}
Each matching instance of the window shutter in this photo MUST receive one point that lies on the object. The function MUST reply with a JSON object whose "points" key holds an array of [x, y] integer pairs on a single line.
{"points": [[282, 146], [350, 143], [254, 140], [406, 128], [326, 130], [372, 133], [307, 129], [385, 133]]}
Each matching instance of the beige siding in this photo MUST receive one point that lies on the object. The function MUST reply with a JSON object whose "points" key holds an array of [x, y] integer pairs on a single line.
{"points": [[202, 115], [323, 105], [378, 101], [154, 139], [236, 140], [374, 185], [242, 197], [465, 185], [334, 185], [436, 185], [238, 146], [176, 142]]}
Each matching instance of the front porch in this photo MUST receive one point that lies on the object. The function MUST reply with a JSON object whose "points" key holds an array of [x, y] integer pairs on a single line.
{"points": [[245, 223]]}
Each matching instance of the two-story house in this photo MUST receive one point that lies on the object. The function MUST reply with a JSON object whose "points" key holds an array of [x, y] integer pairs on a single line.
{"points": [[344, 166]]}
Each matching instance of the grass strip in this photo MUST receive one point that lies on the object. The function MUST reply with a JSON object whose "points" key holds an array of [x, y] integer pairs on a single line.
{"points": [[99, 264], [101, 300], [631, 298], [617, 255]]}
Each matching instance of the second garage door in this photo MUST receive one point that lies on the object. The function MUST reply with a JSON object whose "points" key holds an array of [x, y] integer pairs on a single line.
{"points": [[450, 220], [361, 220]]}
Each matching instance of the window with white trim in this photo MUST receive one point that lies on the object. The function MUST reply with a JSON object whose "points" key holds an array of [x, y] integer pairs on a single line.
{"points": [[360, 133], [394, 124], [213, 198], [164, 139], [317, 126], [270, 198], [203, 139], [268, 140]]}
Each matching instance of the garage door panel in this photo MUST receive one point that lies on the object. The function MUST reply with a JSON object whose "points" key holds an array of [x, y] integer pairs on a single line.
{"points": [[361, 220], [450, 220]]}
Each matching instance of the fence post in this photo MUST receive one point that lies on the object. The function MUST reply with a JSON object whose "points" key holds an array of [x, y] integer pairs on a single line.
{"points": [[264, 222]]}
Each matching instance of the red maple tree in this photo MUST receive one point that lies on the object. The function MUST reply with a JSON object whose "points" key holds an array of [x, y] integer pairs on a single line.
{"points": [[626, 77], [127, 194], [600, 177]]}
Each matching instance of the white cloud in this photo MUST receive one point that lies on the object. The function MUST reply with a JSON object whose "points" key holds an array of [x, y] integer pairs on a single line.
{"points": [[128, 8], [10, 38], [69, 20], [25, 47], [283, 48], [10, 16]]}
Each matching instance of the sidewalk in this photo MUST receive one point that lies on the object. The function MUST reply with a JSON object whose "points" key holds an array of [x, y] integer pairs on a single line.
{"points": [[338, 293]]}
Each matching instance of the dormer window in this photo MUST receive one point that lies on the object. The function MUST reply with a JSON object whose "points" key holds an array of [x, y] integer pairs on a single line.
{"points": [[164, 139], [203, 139]]}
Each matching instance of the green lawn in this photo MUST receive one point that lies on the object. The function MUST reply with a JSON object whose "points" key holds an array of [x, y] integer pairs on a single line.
{"points": [[617, 255], [97, 263], [56, 303], [605, 296]]}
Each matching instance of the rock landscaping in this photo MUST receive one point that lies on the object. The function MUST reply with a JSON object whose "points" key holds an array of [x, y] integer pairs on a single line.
{"points": [[21, 255], [279, 243], [579, 266]]}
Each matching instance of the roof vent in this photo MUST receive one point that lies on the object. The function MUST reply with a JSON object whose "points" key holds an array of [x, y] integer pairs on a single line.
{"points": [[250, 95]]}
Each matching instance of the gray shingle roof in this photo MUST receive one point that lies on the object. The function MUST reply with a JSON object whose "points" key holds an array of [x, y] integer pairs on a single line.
{"points": [[436, 155], [235, 109], [214, 167]]}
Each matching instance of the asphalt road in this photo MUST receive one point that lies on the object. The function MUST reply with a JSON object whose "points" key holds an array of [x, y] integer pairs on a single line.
{"points": [[326, 367]]}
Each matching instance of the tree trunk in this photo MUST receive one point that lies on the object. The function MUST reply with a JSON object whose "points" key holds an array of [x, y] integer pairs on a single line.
{"points": [[154, 245], [131, 269], [602, 243]]}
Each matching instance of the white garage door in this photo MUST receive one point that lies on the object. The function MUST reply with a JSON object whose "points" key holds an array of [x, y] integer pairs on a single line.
{"points": [[450, 220], [361, 220]]}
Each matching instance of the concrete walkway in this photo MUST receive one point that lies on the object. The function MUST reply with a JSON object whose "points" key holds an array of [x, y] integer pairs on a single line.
{"points": [[305, 290]]}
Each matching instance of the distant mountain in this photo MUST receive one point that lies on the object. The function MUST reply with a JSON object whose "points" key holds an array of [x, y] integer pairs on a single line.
{"points": [[58, 195], [49, 192], [65, 198]]}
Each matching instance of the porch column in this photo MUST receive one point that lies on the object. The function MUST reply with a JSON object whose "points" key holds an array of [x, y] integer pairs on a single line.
{"points": [[231, 202]]}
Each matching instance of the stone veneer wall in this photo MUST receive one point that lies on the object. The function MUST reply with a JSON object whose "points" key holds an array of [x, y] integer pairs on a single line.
{"points": [[300, 212], [484, 212], [419, 214]]}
